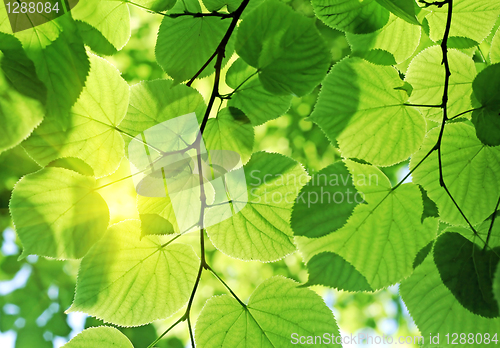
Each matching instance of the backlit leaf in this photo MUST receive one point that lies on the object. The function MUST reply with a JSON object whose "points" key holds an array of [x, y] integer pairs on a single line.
{"points": [[467, 271], [261, 230], [436, 311], [471, 18], [381, 238], [19, 115], [325, 203], [131, 281], [495, 48], [404, 9], [230, 130], [58, 214], [487, 118], [156, 101], [426, 75], [102, 336], [285, 47], [332, 270], [251, 97], [352, 16], [61, 63], [360, 108], [92, 135], [111, 18], [471, 173], [185, 43], [397, 37], [276, 311]]}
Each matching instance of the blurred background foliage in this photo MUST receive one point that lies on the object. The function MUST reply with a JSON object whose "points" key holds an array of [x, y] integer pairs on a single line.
{"points": [[35, 292]]}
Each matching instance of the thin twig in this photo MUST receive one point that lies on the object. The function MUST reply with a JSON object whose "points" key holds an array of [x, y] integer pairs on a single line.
{"points": [[183, 318], [228, 96], [463, 113]]}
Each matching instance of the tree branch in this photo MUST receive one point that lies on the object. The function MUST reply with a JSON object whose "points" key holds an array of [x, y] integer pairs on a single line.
{"points": [[219, 54]]}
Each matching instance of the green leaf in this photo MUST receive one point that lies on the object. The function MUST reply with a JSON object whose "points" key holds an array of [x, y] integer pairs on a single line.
{"points": [[156, 5], [153, 102], [92, 135], [58, 214], [61, 64], [19, 115], [495, 48], [426, 74], [381, 238], [460, 42], [487, 118], [152, 224], [230, 130], [496, 285], [352, 16], [19, 70], [359, 108], [102, 336], [430, 207], [185, 43], [332, 270], [251, 97], [325, 203], [261, 230], [470, 173], [397, 37], [131, 281], [404, 9], [157, 215], [471, 18], [95, 40], [276, 311], [111, 18], [74, 164], [216, 5], [285, 47], [467, 271], [376, 56], [436, 311], [232, 5], [422, 254]]}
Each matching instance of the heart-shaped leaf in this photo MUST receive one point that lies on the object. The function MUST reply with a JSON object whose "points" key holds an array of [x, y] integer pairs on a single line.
{"points": [[468, 272]]}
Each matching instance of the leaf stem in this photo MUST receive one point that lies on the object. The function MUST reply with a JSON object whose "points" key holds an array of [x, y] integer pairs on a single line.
{"points": [[183, 318], [423, 105], [228, 96], [207, 267], [463, 113]]}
